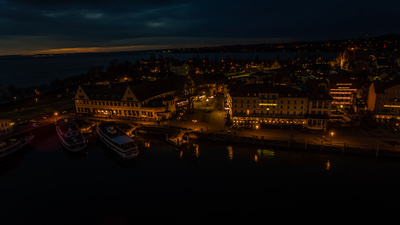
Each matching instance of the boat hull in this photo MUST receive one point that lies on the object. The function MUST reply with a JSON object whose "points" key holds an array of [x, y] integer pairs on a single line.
{"points": [[67, 146], [15, 147], [115, 148]]}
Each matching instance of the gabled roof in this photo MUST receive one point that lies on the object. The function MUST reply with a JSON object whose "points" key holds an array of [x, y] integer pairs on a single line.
{"points": [[142, 91], [105, 92], [149, 89], [320, 93], [380, 86], [251, 89]]}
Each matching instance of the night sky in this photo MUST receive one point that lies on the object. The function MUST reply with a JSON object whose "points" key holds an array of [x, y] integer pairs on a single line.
{"points": [[51, 26]]}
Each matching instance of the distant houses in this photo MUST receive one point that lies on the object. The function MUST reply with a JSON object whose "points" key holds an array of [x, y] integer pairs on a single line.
{"points": [[306, 91]]}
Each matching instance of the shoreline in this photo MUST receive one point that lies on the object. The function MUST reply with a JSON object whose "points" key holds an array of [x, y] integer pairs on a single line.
{"points": [[283, 144], [305, 142]]}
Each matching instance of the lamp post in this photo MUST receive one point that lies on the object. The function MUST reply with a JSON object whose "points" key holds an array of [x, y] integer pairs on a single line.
{"points": [[194, 124], [332, 133]]}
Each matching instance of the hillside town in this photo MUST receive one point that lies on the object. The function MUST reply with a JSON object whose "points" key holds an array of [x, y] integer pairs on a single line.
{"points": [[360, 87], [305, 92]]}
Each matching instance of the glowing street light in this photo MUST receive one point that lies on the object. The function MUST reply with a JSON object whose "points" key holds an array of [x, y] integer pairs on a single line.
{"points": [[194, 124], [332, 133]]}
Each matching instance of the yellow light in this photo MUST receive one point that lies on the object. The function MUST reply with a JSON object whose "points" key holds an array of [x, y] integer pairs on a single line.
{"points": [[391, 106], [268, 104]]}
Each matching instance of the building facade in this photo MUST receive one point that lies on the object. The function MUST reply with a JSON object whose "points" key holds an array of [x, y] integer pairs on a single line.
{"points": [[319, 109], [258, 104], [343, 90], [151, 101], [5, 127], [384, 100]]}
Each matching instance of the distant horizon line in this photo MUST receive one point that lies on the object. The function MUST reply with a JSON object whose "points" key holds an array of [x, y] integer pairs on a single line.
{"points": [[132, 48]]}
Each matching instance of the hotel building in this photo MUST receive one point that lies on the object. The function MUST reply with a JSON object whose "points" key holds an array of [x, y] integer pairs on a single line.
{"points": [[145, 101], [254, 104], [384, 100]]}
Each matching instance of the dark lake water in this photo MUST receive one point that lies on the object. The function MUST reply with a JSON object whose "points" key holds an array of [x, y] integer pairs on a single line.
{"points": [[217, 183], [28, 71]]}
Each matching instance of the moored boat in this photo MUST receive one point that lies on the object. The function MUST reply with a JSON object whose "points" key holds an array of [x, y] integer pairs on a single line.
{"points": [[12, 145], [69, 134], [117, 140]]}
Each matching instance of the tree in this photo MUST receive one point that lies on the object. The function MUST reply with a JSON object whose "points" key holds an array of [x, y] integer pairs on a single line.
{"points": [[13, 90], [189, 91], [56, 84]]}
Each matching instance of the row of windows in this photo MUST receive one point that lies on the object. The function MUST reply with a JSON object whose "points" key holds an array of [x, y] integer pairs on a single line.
{"points": [[273, 101], [5, 131], [109, 103], [273, 107], [4, 124], [116, 112], [272, 113], [316, 122]]}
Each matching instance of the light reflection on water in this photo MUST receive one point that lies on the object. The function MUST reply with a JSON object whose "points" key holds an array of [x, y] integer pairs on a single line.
{"points": [[229, 179], [266, 153], [230, 152]]}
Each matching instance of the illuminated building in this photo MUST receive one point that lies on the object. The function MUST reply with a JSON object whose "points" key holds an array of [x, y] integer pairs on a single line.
{"points": [[319, 108], [254, 104], [180, 68], [257, 103], [5, 127], [343, 90], [384, 100], [147, 101]]}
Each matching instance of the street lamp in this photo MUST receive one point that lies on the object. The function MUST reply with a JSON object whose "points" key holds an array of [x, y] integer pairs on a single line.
{"points": [[194, 124], [332, 133]]}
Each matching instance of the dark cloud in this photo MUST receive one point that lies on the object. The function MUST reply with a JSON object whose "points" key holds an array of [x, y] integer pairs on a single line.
{"points": [[79, 23]]}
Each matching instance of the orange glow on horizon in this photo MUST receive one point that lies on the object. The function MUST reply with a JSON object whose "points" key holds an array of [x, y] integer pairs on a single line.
{"points": [[100, 49]]}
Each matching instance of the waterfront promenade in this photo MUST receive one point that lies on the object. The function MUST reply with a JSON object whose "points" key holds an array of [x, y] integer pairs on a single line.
{"points": [[208, 121]]}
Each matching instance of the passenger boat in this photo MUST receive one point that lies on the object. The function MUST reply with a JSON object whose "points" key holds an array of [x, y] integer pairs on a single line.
{"points": [[12, 145], [70, 135], [117, 140]]}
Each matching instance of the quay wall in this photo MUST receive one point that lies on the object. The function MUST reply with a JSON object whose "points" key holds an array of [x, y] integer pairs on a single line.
{"points": [[292, 144]]}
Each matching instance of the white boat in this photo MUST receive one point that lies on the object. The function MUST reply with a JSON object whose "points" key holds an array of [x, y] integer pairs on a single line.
{"points": [[70, 135], [117, 140], [12, 145]]}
